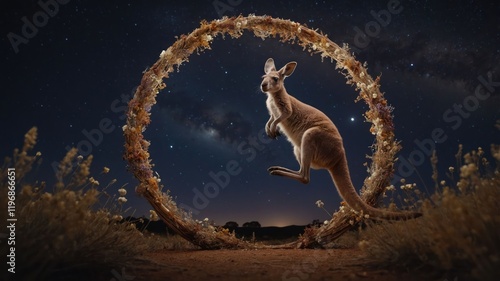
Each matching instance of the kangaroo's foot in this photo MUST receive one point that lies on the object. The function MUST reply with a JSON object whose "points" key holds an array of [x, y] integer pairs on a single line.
{"points": [[284, 172]]}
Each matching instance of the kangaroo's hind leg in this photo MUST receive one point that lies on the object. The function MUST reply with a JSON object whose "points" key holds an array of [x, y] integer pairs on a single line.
{"points": [[304, 156]]}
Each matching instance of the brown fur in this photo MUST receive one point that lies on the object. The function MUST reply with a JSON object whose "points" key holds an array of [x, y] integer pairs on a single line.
{"points": [[315, 139]]}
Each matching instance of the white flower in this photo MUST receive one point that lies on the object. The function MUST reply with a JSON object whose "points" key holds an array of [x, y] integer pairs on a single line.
{"points": [[320, 204], [117, 218], [325, 222], [408, 186], [122, 191], [122, 200], [153, 215]]}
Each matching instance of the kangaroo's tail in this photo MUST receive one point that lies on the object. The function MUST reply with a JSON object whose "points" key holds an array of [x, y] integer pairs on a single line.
{"points": [[342, 179]]}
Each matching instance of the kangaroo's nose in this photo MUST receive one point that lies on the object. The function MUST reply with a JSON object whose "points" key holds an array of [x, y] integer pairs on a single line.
{"points": [[263, 86]]}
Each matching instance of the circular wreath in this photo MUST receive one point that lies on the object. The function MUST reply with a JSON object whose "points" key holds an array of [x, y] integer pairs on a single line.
{"points": [[138, 118]]}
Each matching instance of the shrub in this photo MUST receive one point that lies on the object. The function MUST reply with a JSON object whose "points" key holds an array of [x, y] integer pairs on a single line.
{"points": [[458, 235], [63, 232]]}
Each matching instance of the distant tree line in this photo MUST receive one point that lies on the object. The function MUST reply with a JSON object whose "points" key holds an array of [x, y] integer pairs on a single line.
{"points": [[233, 225]]}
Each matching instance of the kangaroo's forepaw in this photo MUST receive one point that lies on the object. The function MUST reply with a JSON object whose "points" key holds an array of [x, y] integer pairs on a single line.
{"points": [[273, 135]]}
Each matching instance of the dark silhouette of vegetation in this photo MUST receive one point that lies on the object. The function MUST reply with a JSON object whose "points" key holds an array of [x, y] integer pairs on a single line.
{"points": [[252, 224]]}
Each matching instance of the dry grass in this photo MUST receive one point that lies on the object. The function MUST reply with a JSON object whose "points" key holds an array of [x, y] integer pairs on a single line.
{"points": [[459, 234], [68, 231]]}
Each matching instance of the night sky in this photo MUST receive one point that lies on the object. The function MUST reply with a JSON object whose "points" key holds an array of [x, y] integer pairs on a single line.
{"points": [[75, 72]]}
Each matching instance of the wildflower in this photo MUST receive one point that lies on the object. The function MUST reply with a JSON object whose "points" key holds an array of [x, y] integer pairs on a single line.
{"points": [[122, 200], [93, 181], [79, 158], [367, 216], [480, 151], [38, 154], [320, 204], [325, 222], [205, 220], [451, 169], [117, 218], [105, 170], [443, 182], [122, 191], [153, 215], [390, 188], [46, 196], [408, 186], [468, 170]]}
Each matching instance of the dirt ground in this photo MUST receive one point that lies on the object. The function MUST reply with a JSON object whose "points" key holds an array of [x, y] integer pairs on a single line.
{"points": [[272, 264]]}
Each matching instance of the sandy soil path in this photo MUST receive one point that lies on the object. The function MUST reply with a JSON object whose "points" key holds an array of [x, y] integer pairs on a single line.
{"points": [[292, 265]]}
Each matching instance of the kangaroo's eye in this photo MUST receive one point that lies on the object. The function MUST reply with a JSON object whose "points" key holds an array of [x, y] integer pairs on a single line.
{"points": [[275, 79]]}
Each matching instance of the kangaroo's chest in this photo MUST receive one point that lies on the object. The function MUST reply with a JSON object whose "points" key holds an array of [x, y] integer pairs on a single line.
{"points": [[273, 106], [288, 126]]}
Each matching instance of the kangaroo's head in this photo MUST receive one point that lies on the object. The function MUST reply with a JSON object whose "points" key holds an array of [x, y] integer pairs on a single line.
{"points": [[272, 81]]}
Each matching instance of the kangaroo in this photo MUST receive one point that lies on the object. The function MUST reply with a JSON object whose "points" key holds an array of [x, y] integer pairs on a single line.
{"points": [[315, 139]]}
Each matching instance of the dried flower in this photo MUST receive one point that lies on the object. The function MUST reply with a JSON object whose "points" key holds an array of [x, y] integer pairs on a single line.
{"points": [[153, 215], [320, 204], [122, 200], [122, 191], [93, 181], [408, 186], [105, 170], [117, 218]]}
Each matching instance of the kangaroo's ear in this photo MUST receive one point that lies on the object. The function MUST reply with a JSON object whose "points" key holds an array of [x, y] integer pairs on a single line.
{"points": [[269, 66], [288, 69]]}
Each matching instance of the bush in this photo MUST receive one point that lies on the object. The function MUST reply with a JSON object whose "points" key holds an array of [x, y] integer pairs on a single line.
{"points": [[458, 235], [63, 232]]}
